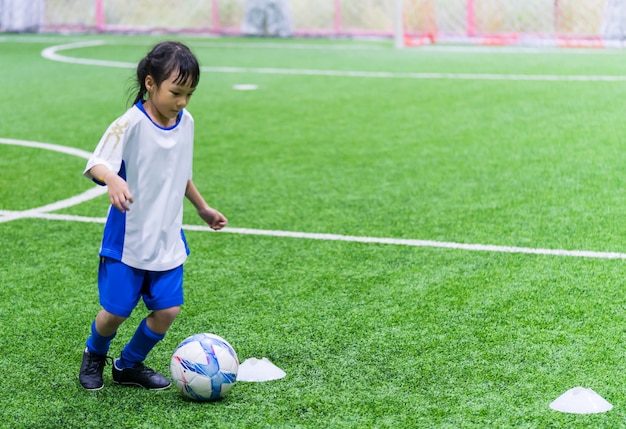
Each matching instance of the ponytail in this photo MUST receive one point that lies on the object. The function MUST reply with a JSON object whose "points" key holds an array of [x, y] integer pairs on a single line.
{"points": [[142, 73]]}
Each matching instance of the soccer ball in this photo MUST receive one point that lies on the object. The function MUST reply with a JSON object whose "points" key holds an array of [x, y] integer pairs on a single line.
{"points": [[204, 367]]}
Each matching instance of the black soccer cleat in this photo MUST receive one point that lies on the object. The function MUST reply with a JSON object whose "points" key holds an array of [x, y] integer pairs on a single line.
{"points": [[91, 368], [140, 375]]}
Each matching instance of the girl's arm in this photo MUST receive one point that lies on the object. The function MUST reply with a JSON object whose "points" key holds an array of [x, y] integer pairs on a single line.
{"points": [[119, 194], [212, 217]]}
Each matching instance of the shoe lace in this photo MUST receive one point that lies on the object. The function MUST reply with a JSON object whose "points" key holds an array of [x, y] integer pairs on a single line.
{"points": [[96, 362], [144, 369]]}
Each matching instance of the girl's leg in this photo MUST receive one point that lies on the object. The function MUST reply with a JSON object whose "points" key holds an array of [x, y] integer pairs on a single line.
{"points": [[151, 330], [119, 288], [162, 293], [129, 368], [103, 330]]}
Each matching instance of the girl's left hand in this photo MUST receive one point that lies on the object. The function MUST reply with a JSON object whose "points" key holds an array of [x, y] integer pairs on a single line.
{"points": [[213, 218]]}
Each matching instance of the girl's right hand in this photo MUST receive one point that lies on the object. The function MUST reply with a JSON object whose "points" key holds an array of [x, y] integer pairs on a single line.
{"points": [[119, 194]]}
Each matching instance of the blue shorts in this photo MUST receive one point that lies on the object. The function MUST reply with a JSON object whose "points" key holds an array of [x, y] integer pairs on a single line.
{"points": [[121, 286]]}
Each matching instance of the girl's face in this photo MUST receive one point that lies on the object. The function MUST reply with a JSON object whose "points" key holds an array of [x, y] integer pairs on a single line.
{"points": [[165, 101]]}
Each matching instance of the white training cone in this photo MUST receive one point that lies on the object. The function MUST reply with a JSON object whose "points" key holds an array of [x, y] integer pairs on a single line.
{"points": [[245, 87], [580, 401], [254, 369]]}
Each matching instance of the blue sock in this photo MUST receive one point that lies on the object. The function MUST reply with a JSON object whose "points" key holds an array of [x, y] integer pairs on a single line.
{"points": [[139, 346], [98, 344]]}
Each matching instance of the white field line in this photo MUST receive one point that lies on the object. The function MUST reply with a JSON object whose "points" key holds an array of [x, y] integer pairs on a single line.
{"points": [[92, 193], [441, 48], [350, 238], [220, 45], [547, 50], [289, 46], [26, 39], [43, 212], [69, 202], [48, 146], [404, 75], [52, 54], [456, 49]]}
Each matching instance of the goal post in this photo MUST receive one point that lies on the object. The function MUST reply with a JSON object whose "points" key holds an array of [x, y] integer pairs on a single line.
{"points": [[613, 25], [20, 16], [398, 24]]}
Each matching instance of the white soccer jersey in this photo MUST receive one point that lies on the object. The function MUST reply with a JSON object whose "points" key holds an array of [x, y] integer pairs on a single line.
{"points": [[156, 163]]}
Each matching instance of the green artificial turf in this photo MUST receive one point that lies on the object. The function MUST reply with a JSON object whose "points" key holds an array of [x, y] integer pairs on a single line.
{"points": [[370, 335]]}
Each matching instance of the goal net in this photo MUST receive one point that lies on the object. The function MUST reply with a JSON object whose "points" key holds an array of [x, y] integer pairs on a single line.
{"points": [[562, 23], [591, 23], [281, 18]]}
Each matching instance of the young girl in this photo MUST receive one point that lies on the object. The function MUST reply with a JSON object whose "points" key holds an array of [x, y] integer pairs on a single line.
{"points": [[145, 160]]}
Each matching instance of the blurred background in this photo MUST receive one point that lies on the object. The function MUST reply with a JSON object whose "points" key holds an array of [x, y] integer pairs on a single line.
{"points": [[562, 22]]}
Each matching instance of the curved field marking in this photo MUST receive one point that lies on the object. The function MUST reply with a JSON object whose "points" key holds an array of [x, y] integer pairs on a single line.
{"points": [[48, 146], [52, 54], [43, 212], [6, 216]]}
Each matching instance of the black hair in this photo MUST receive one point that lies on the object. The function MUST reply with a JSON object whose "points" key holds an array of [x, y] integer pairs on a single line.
{"points": [[164, 59]]}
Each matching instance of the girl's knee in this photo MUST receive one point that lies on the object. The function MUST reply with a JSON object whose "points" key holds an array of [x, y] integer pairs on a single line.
{"points": [[168, 313], [162, 319], [107, 323]]}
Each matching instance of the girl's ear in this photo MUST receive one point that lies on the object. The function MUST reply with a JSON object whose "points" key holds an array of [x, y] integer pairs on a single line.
{"points": [[150, 84]]}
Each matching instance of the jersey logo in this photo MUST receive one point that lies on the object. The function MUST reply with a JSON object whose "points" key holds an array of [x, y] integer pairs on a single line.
{"points": [[115, 133]]}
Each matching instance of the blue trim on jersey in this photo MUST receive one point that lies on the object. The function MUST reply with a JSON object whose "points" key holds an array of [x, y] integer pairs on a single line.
{"points": [[114, 229], [182, 235], [180, 115]]}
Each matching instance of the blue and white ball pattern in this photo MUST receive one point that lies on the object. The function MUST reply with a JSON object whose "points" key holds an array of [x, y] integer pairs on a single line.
{"points": [[204, 367]]}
